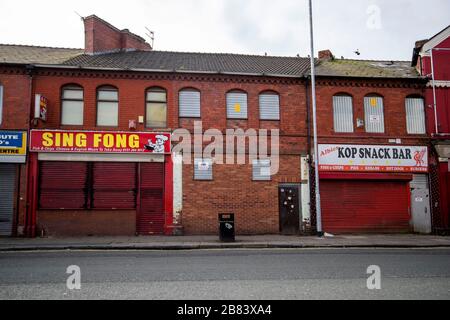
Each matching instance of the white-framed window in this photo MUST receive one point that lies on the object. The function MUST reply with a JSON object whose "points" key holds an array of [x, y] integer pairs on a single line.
{"points": [[203, 169], [415, 115], [156, 108], [107, 106], [189, 103], [1, 103], [261, 170], [374, 114], [269, 106], [237, 105], [343, 113], [72, 105]]}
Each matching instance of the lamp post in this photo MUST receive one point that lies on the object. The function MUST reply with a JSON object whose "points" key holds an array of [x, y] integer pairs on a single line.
{"points": [[314, 106]]}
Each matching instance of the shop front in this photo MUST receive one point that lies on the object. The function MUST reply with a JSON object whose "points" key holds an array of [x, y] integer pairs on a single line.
{"points": [[13, 149], [101, 183], [374, 189]]}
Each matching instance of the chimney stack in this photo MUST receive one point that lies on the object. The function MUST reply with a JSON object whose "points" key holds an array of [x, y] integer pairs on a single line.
{"points": [[325, 55], [102, 37]]}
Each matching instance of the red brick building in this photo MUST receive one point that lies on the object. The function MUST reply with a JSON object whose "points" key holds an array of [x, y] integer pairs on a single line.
{"points": [[432, 59], [373, 146], [95, 165]]}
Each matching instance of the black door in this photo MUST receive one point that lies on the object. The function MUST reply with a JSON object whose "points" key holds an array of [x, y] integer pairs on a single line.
{"points": [[289, 210]]}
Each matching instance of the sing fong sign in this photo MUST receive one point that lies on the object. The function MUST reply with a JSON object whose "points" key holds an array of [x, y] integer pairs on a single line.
{"points": [[99, 142], [368, 158]]}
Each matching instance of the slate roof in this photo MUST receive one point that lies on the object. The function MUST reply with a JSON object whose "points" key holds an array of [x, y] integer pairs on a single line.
{"points": [[21, 54], [366, 69], [195, 62]]}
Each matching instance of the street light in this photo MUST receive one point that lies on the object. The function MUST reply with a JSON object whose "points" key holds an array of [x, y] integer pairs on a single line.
{"points": [[314, 105]]}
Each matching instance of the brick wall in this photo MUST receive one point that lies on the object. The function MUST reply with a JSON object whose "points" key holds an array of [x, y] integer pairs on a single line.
{"points": [[16, 105], [86, 223]]}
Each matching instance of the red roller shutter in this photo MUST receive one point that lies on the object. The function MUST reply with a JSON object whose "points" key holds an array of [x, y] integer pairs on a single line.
{"points": [[151, 215], [114, 185], [62, 185], [358, 206]]}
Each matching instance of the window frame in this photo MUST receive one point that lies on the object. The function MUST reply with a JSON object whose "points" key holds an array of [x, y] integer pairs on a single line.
{"points": [[211, 163], [226, 104], [379, 96], [269, 93], [98, 100], [199, 106], [343, 94], [147, 102], [258, 163], [71, 87], [424, 115]]}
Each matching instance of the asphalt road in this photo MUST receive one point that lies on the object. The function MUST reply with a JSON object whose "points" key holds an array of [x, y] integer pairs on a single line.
{"points": [[227, 274]]}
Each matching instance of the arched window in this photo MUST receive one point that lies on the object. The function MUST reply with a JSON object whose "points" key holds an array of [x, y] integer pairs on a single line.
{"points": [[237, 105], [156, 108], [343, 113], [107, 106], [72, 105], [269, 106], [189, 103], [415, 115], [374, 113]]}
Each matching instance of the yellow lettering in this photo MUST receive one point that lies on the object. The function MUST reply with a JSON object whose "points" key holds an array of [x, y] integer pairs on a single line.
{"points": [[97, 140], [67, 140], [108, 140], [133, 141], [121, 141], [58, 140], [47, 139], [81, 140]]}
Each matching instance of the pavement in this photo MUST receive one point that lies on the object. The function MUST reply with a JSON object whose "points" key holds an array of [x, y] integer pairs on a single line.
{"points": [[212, 242]]}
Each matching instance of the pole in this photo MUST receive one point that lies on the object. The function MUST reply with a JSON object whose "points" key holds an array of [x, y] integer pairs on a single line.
{"points": [[314, 106]]}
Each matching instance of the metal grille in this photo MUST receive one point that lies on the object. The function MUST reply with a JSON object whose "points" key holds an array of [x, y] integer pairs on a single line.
{"points": [[261, 170], [374, 114], [420, 181], [7, 186], [415, 116], [189, 101], [236, 105], [343, 113], [203, 169], [269, 107]]}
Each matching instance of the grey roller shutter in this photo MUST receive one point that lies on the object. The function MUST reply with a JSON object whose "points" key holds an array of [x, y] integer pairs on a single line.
{"points": [[415, 116], [203, 169], [269, 107], [189, 102], [7, 187], [343, 113], [236, 105], [261, 170], [374, 114]]}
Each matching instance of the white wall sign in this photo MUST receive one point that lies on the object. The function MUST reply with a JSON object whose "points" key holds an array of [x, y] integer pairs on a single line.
{"points": [[369, 158]]}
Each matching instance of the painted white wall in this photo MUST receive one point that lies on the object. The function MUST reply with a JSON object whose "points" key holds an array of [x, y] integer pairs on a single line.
{"points": [[306, 199], [177, 186]]}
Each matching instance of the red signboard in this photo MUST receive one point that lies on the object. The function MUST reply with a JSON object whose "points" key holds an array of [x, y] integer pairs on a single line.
{"points": [[99, 142]]}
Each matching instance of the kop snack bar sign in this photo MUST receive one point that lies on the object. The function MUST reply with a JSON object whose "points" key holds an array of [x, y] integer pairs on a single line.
{"points": [[363, 158], [99, 142]]}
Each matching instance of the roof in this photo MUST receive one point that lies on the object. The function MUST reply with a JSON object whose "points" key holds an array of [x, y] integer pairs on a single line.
{"points": [[366, 69], [21, 54], [195, 62]]}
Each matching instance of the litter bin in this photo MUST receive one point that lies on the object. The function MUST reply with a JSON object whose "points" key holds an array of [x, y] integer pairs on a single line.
{"points": [[226, 227]]}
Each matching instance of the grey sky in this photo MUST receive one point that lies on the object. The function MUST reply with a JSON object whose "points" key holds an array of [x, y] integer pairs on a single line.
{"points": [[239, 26]]}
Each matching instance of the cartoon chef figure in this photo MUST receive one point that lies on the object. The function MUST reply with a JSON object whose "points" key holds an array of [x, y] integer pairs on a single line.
{"points": [[158, 146]]}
